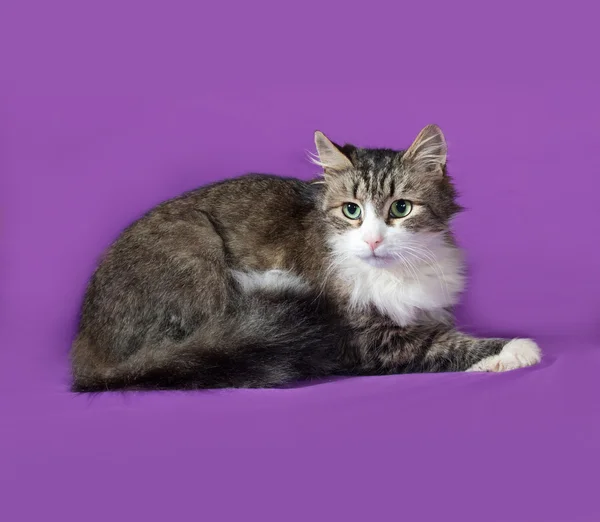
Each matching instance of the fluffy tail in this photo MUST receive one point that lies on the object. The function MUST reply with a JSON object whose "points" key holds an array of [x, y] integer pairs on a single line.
{"points": [[269, 341]]}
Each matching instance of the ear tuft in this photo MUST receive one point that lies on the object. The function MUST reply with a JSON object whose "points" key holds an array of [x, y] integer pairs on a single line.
{"points": [[428, 151], [330, 158]]}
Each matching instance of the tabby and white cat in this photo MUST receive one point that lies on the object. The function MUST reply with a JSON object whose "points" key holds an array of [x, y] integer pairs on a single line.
{"points": [[261, 280]]}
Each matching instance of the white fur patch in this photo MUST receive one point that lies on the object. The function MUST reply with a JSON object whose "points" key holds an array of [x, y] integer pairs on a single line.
{"points": [[414, 273], [276, 280], [517, 353]]}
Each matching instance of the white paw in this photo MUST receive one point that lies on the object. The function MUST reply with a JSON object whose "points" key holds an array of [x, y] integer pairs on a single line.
{"points": [[517, 353]]}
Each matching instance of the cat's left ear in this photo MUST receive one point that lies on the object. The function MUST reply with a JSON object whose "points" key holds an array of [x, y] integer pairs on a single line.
{"points": [[428, 151], [331, 158]]}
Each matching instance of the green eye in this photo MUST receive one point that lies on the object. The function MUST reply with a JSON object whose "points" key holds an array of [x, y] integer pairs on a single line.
{"points": [[400, 208], [351, 210]]}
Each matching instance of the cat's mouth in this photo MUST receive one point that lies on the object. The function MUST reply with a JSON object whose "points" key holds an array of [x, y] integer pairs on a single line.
{"points": [[379, 260]]}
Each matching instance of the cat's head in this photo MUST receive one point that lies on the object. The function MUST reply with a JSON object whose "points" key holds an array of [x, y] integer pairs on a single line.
{"points": [[387, 207]]}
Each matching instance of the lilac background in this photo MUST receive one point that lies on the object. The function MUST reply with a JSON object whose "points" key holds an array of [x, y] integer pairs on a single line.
{"points": [[107, 108]]}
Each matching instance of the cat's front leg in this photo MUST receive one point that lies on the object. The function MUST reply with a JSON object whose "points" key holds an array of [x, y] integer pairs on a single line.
{"points": [[455, 351], [516, 353]]}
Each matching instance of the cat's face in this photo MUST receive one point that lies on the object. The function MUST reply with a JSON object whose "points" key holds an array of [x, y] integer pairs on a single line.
{"points": [[387, 208]]}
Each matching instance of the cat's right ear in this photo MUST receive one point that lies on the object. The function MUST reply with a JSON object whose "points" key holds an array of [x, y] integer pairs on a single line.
{"points": [[330, 157]]}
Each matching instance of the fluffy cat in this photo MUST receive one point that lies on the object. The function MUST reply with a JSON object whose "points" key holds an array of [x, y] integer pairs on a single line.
{"points": [[260, 281]]}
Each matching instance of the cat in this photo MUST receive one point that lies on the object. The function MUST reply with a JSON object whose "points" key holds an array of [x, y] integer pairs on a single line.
{"points": [[263, 281]]}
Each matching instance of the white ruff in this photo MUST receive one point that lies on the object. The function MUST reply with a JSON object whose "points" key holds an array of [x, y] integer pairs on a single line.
{"points": [[403, 290]]}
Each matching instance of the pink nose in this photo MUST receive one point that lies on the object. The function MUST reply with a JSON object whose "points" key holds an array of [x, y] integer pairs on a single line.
{"points": [[374, 242]]}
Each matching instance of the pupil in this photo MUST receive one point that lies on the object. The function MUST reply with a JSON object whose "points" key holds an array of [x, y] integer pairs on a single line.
{"points": [[401, 206], [352, 209]]}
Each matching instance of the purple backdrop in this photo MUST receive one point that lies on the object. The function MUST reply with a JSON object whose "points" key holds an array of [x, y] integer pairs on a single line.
{"points": [[107, 108]]}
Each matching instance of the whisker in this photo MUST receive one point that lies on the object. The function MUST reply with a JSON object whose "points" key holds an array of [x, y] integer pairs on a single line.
{"points": [[429, 258]]}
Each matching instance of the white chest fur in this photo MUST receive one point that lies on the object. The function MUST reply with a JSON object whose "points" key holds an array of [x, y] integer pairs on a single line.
{"points": [[403, 292]]}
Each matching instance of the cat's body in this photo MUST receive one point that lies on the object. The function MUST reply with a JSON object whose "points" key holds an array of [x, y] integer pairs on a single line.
{"points": [[260, 281]]}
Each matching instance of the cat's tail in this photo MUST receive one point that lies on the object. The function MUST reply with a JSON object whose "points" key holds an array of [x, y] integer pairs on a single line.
{"points": [[271, 341]]}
